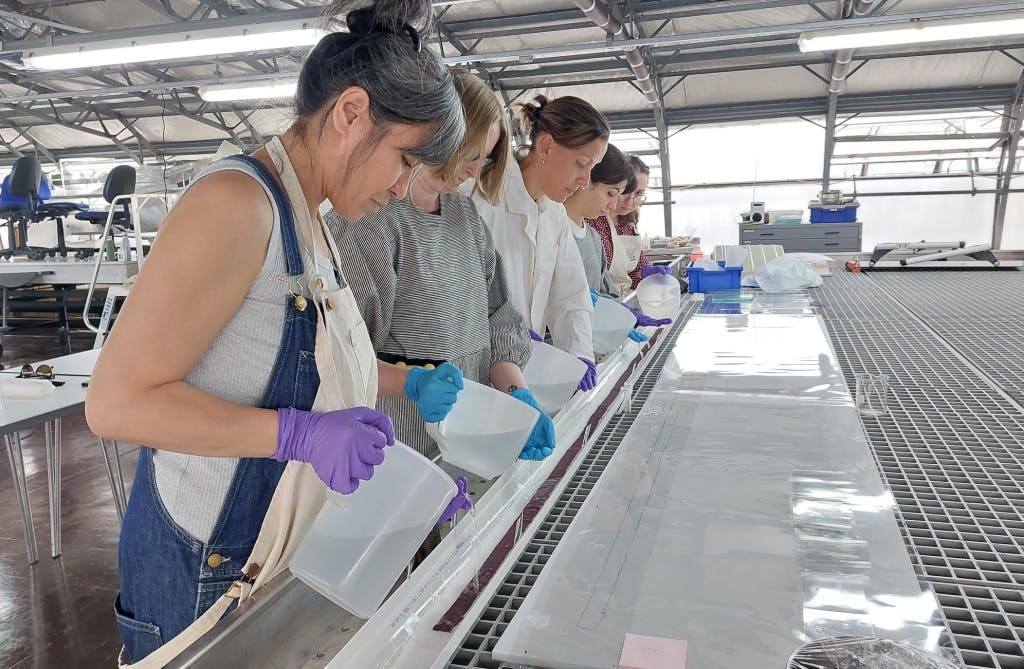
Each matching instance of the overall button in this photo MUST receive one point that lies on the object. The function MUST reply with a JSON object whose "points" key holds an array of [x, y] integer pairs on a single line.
{"points": [[214, 560]]}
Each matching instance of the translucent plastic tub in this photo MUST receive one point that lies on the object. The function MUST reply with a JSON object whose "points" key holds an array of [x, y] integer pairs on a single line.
{"points": [[359, 544], [612, 323], [485, 431], [659, 296], [553, 376]]}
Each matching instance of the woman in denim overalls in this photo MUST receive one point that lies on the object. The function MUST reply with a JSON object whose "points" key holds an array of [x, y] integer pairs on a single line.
{"points": [[240, 359]]}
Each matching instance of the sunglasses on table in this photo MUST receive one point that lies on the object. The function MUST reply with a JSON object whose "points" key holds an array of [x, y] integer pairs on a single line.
{"points": [[40, 372]]}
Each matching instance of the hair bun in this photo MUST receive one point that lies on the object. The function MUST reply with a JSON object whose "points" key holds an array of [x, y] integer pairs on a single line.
{"points": [[363, 22], [367, 21], [531, 110]]}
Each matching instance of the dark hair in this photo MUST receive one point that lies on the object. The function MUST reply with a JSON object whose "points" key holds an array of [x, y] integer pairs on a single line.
{"points": [[639, 167], [572, 122], [614, 168], [382, 54]]}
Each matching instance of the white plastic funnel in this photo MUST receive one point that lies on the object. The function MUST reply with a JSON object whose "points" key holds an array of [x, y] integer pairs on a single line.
{"points": [[659, 296], [359, 544], [485, 431], [612, 323], [552, 376]]}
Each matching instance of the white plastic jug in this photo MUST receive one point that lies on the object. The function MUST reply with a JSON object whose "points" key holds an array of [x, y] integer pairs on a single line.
{"points": [[359, 544], [659, 296], [612, 323], [485, 431], [553, 376]]}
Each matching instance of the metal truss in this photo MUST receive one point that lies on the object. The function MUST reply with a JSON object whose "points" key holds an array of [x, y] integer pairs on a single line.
{"points": [[121, 96]]}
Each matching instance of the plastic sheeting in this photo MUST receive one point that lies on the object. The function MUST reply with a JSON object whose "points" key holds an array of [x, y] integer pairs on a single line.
{"points": [[742, 513], [864, 653]]}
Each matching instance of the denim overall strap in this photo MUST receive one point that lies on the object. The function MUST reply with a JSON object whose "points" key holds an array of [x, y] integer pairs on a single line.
{"points": [[168, 577]]}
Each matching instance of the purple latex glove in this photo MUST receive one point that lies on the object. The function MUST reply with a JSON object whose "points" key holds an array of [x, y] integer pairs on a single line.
{"points": [[342, 446], [642, 320], [648, 270], [461, 501], [589, 379], [535, 337]]}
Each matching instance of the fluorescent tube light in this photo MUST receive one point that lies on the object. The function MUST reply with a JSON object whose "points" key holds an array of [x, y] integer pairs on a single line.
{"points": [[280, 88], [920, 31], [194, 44]]}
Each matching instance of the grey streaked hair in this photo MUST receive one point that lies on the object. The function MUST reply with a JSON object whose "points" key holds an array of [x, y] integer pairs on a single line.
{"points": [[382, 54]]}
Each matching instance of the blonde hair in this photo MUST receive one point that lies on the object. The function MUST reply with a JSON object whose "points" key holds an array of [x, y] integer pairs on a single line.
{"points": [[482, 111]]}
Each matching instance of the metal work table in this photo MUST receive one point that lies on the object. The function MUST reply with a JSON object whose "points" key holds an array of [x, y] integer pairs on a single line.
{"points": [[950, 451], [742, 512], [952, 447]]}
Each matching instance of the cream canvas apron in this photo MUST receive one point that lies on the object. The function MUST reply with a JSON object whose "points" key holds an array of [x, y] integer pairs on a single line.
{"points": [[625, 258], [347, 366]]}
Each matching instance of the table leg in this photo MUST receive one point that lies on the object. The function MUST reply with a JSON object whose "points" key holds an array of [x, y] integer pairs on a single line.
{"points": [[114, 479], [122, 491], [21, 490], [52, 430]]}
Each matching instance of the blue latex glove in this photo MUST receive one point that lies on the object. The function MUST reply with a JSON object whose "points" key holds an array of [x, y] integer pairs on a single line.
{"points": [[342, 446], [461, 501], [542, 440], [643, 320], [649, 270], [535, 337], [434, 390], [593, 297], [637, 336], [589, 379]]}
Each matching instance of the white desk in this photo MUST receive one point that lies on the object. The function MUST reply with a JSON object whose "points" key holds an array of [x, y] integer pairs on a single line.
{"points": [[69, 271], [17, 415]]}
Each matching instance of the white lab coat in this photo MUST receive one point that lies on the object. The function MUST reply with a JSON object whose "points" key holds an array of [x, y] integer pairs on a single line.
{"points": [[545, 275]]}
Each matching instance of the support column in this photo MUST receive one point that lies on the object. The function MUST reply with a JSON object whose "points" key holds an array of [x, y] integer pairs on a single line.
{"points": [[666, 169], [830, 140], [1008, 163]]}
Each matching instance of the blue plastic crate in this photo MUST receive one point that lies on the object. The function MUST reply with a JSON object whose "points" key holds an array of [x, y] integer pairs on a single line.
{"points": [[703, 281], [834, 213]]}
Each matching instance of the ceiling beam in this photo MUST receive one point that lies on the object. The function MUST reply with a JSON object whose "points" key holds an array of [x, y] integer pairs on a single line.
{"points": [[163, 8]]}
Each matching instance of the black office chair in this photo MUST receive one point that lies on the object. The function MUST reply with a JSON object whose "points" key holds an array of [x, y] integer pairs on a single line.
{"points": [[120, 181]]}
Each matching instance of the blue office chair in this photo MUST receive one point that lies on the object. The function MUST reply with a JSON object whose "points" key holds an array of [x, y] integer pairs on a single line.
{"points": [[24, 199]]}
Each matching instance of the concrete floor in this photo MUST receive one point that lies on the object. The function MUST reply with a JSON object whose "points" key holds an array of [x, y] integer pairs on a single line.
{"points": [[58, 612]]}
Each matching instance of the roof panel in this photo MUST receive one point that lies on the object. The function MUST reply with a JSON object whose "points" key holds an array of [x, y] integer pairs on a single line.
{"points": [[924, 72], [746, 87]]}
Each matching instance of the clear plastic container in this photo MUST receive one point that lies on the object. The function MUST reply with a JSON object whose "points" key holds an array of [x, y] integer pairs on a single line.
{"points": [[612, 323], [360, 544], [659, 296], [553, 376], [485, 431], [735, 256]]}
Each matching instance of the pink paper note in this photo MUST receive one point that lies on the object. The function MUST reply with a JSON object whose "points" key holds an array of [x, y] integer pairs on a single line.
{"points": [[652, 652]]}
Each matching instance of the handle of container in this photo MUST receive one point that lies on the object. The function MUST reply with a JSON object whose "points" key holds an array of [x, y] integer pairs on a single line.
{"points": [[831, 232], [766, 234], [831, 243]]}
